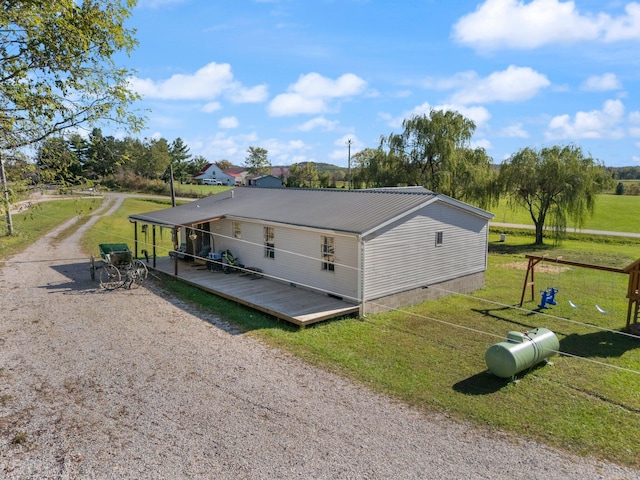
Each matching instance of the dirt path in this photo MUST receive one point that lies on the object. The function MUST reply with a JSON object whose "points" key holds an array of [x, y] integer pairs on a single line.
{"points": [[129, 384]]}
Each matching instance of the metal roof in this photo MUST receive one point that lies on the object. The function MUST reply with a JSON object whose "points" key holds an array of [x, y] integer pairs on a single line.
{"points": [[349, 211]]}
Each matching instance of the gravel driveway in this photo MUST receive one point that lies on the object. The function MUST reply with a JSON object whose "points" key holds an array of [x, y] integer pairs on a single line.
{"points": [[133, 385]]}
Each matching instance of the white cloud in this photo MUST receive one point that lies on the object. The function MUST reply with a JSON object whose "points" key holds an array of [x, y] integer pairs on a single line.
{"points": [[481, 143], [603, 123], [207, 83], [318, 123], [602, 83], [514, 131], [228, 122], [312, 93], [625, 27], [294, 104], [286, 152], [517, 24], [513, 84], [479, 115], [248, 95], [211, 107]]}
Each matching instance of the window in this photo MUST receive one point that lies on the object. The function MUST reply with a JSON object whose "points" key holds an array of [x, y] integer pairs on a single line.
{"points": [[327, 253], [269, 245], [237, 230], [439, 236]]}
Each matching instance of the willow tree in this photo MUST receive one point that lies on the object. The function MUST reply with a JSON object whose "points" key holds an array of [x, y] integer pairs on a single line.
{"points": [[57, 68], [434, 150], [554, 185], [377, 168]]}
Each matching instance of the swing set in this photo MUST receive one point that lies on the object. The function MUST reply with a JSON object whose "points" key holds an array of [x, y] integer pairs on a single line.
{"points": [[633, 288]]}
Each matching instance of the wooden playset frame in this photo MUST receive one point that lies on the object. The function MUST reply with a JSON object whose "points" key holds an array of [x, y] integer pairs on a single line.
{"points": [[633, 287]]}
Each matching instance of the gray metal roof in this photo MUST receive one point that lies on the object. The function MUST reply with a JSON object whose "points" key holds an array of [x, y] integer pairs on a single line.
{"points": [[350, 211]]}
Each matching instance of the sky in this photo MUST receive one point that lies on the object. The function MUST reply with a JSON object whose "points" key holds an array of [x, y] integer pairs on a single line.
{"points": [[300, 78]]}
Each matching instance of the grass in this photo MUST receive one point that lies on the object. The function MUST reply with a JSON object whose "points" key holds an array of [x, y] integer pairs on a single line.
{"points": [[432, 355], [19, 438], [117, 228], [612, 213], [192, 190], [39, 219]]}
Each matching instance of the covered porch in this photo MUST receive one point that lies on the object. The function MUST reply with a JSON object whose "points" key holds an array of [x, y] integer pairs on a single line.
{"points": [[296, 305]]}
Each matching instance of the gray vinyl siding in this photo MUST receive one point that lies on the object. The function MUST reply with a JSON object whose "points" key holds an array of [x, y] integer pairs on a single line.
{"points": [[404, 255], [297, 255]]}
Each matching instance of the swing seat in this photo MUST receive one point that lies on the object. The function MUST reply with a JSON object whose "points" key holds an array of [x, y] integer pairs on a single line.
{"points": [[600, 309]]}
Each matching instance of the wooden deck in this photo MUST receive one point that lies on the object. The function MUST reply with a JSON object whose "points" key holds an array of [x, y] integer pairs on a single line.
{"points": [[296, 305]]}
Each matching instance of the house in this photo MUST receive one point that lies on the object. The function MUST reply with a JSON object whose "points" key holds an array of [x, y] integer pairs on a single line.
{"points": [[239, 174], [379, 249], [211, 173], [264, 181]]}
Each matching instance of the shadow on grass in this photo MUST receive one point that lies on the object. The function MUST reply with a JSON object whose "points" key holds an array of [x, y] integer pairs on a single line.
{"points": [[495, 314], [483, 383], [500, 248], [599, 344]]}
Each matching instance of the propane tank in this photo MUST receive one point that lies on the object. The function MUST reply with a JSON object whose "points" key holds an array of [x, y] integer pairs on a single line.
{"points": [[521, 351]]}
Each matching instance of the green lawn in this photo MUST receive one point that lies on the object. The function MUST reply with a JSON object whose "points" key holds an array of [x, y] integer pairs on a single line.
{"points": [[192, 190], [613, 213], [118, 229]]}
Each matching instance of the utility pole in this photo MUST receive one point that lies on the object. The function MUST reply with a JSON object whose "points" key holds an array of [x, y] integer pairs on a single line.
{"points": [[171, 186], [6, 197], [349, 166]]}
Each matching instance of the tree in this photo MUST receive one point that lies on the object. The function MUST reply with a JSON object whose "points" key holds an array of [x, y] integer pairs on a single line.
{"points": [[554, 184], [196, 165], [155, 160], [427, 144], [294, 179], [376, 168], [57, 69], [223, 164], [57, 163], [257, 162], [434, 151], [103, 154], [469, 177], [179, 153]]}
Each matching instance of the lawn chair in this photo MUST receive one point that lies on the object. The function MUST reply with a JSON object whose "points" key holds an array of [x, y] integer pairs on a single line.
{"points": [[180, 252]]}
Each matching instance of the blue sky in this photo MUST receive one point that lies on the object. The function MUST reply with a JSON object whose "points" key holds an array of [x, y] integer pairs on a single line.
{"points": [[301, 77]]}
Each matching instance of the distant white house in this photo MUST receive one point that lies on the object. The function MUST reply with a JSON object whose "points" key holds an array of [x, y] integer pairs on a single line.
{"points": [[212, 172], [380, 249]]}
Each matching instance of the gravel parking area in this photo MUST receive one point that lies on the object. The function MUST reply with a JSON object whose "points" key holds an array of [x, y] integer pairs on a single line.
{"points": [[130, 384]]}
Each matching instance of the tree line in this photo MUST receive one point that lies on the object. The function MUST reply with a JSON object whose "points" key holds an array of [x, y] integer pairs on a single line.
{"points": [[77, 160]]}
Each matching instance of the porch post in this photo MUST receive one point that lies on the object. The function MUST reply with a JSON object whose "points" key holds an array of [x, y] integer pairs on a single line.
{"points": [[135, 239], [175, 249], [153, 236]]}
